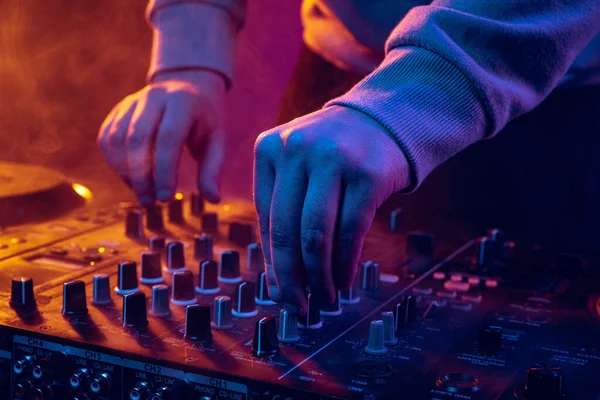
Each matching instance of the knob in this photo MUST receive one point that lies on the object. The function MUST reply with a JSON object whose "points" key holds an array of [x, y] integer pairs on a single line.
{"points": [[256, 261], [486, 249], [210, 223], [127, 279], [401, 315], [151, 268], [154, 218], [312, 318], [350, 295], [229, 270], [222, 313], [134, 227], [498, 237], [419, 245], [21, 294], [208, 278], [370, 276], [489, 339], [196, 204], [397, 220], [183, 292], [334, 308], [265, 341], [241, 234], [175, 257], [197, 322], [203, 247], [412, 308], [288, 327], [134, 311], [245, 305], [262, 294], [376, 344], [101, 383], [101, 290], [74, 299], [157, 244], [389, 331], [160, 301], [175, 210], [545, 383]]}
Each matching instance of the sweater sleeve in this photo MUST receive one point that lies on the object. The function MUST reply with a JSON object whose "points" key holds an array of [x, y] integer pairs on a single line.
{"points": [[192, 34], [457, 71]]}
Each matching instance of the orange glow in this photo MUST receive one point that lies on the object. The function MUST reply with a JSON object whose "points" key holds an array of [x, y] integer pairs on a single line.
{"points": [[179, 196], [226, 207], [83, 191], [101, 250]]}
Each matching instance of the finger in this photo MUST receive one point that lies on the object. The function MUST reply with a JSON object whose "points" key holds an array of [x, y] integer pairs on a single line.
{"points": [[139, 142], [174, 129], [319, 216], [113, 137], [209, 174], [356, 215]]}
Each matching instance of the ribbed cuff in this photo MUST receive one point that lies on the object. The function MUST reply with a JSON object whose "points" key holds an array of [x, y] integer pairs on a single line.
{"points": [[429, 106]]}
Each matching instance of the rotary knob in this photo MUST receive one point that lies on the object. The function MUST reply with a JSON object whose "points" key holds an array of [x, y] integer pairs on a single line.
{"points": [[101, 290], [262, 293], [241, 234], [265, 341], [288, 327], [397, 220], [151, 268], [545, 383], [419, 245], [229, 270], [157, 244], [175, 210], [196, 204], [370, 276], [208, 278], [127, 278], [160, 301], [245, 305], [197, 322], [210, 223], [222, 313], [334, 308], [203, 247], [154, 218], [403, 313], [389, 331], [376, 341], [183, 292], [74, 298], [486, 249], [312, 318], [175, 257], [350, 295], [134, 311], [22, 297], [134, 224], [256, 261], [489, 339]]}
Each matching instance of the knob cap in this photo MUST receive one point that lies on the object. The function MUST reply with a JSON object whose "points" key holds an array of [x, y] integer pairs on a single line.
{"points": [[262, 294], [134, 311], [203, 247], [127, 278], [334, 308], [412, 308], [245, 305], [288, 327], [210, 223], [175, 257], [241, 234], [419, 245], [350, 295], [376, 339], [229, 270], [397, 220], [208, 278], [183, 292], [101, 294], [489, 339], [197, 322], [486, 252], [154, 218], [389, 331], [151, 268], [175, 210], [265, 341], [545, 383], [370, 276], [312, 318], [196, 205], [256, 261], [401, 315], [222, 313], [157, 244], [21, 294], [160, 301], [74, 298], [134, 227]]}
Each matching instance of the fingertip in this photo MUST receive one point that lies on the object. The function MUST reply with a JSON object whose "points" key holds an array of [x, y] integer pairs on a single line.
{"points": [[164, 195], [145, 201]]}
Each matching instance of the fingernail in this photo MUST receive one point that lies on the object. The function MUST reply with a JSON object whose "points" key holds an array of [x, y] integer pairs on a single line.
{"points": [[146, 201], [164, 195]]}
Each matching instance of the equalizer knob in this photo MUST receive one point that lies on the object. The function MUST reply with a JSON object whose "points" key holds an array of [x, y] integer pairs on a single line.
{"points": [[127, 278], [245, 305], [175, 257], [208, 278], [229, 269], [151, 268], [210, 223], [256, 261], [265, 341], [312, 318], [419, 245], [350, 295], [389, 331], [262, 293], [197, 322], [160, 301], [134, 224], [21, 294], [157, 244], [222, 313], [402, 313], [175, 210], [134, 311], [334, 308], [486, 249], [489, 339], [545, 383], [370, 276], [183, 292], [154, 218], [288, 327], [74, 298], [241, 234], [203, 247], [376, 344], [101, 290], [196, 205]]}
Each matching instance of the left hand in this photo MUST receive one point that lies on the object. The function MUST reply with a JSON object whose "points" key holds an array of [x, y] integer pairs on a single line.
{"points": [[318, 181]]}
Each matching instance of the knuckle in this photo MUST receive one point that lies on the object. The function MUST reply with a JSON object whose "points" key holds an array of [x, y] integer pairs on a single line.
{"points": [[281, 239], [348, 239], [313, 240], [367, 175], [295, 141], [136, 138], [266, 144]]}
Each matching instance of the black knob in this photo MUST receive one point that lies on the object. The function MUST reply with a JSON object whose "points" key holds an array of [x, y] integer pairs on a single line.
{"points": [[229, 271], [101, 290], [127, 278], [265, 341], [256, 261], [21, 294], [196, 204], [486, 252], [197, 322], [203, 247], [175, 209], [241, 234], [370, 276], [419, 245], [376, 343], [397, 220], [151, 268], [401, 315], [210, 223], [208, 278], [312, 318], [334, 308], [245, 305], [157, 243], [154, 218], [262, 293], [74, 298], [183, 292], [489, 339], [134, 311], [134, 224], [412, 307], [545, 383], [175, 257], [350, 295]]}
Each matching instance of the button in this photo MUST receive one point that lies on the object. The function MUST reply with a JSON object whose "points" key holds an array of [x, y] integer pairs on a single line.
{"points": [[134, 227], [151, 268], [376, 342], [183, 292], [461, 305], [389, 334], [474, 280], [245, 305], [157, 244], [312, 318], [210, 223], [256, 260], [288, 327], [222, 313], [473, 298], [22, 296], [445, 294], [491, 283], [127, 278], [134, 311], [419, 245], [486, 252], [203, 247], [456, 277], [265, 341], [101, 290], [241, 234], [439, 276], [229, 271], [197, 322], [154, 218], [196, 204], [175, 257], [160, 301], [457, 286], [208, 282], [334, 308], [175, 210], [425, 291], [262, 294], [401, 315], [74, 298], [370, 276]]}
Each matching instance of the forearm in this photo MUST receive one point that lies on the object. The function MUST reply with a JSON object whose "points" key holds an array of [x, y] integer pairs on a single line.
{"points": [[457, 71], [195, 34]]}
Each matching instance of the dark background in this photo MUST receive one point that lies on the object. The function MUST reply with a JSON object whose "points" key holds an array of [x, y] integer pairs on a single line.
{"points": [[65, 63]]}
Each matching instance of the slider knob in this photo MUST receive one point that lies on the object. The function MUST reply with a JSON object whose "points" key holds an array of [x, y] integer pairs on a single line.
{"points": [[175, 210], [197, 322], [222, 313], [489, 339], [74, 298], [160, 301], [545, 383], [157, 244], [241, 234], [134, 311], [196, 204], [245, 305], [175, 257], [405, 312], [312, 318], [127, 279], [376, 342], [21, 294], [203, 247], [101, 290], [210, 223], [334, 308], [208, 278], [349, 296], [154, 218], [370, 276], [151, 268], [134, 227], [262, 293], [229, 269], [256, 261], [288, 327], [265, 341], [183, 292], [486, 249]]}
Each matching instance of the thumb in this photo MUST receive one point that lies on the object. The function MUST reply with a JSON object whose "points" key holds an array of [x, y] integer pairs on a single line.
{"points": [[209, 167]]}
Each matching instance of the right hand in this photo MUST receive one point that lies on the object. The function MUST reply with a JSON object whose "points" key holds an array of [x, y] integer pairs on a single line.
{"points": [[143, 136]]}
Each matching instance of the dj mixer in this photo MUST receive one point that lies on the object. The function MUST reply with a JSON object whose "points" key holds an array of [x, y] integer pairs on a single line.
{"points": [[170, 302]]}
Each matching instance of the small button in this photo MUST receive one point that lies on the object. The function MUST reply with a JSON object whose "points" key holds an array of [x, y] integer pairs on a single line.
{"points": [[474, 280], [491, 283], [456, 277], [425, 291], [461, 305], [445, 294], [457, 286], [439, 276], [473, 298]]}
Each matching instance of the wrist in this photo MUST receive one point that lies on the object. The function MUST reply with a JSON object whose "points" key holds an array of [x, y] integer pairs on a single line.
{"points": [[204, 78]]}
